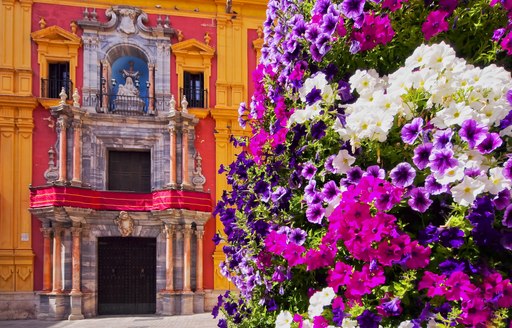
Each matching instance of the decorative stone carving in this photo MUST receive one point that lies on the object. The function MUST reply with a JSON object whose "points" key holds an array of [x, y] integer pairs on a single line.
{"points": [[63, 96], [125, 224], [73, 27], [198, 180], [184, 104], [180, 35], [76, 98], [172, 104], [52, 173], [207, 38], [42, 23], [127, 24]]}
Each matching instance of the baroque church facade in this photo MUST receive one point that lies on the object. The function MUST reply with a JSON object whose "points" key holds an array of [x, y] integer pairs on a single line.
{"points": [[114, 120]]}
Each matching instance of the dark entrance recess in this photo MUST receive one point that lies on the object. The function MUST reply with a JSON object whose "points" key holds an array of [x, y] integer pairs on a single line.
{"points": [[126, 275], [129, 171]]}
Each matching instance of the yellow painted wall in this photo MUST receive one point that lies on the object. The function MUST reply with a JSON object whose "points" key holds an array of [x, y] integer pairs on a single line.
{"points": [[16, 125]]}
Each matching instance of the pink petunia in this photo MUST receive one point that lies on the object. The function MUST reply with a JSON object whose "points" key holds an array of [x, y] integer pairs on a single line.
{"points": [[339, 276], [435, 24], [419, 256], [275, 242], [458, 287], [433, 283], [388, 254], [293, 254]]}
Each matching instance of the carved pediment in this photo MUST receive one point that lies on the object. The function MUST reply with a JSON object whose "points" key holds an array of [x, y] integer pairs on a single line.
{"points": [[193, 47], [55, 35]]}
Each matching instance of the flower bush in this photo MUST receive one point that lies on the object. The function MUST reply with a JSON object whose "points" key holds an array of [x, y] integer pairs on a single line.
{"points": [[375, 189]]}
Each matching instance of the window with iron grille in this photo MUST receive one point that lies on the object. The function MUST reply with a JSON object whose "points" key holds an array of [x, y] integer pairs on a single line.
{"points": [[193, 89], [58, 78], [129, 171]]}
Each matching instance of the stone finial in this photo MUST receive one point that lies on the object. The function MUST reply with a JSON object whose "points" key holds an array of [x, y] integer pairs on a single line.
{"points": [[184, 104], [76, 98], [63, 96], [207, 38], [42, 23], [259, 31], [52, 173], [172, 104], [180, 35], [73, 26], [198, 179]]}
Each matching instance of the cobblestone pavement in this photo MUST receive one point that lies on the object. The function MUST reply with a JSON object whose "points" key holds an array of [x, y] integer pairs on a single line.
{"points": [[204, 320]]}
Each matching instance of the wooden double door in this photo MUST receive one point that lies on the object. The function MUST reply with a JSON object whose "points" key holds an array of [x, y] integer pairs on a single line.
{"points": [[126, 275]]}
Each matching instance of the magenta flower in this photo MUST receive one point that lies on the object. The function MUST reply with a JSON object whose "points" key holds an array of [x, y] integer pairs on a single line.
{"points": [[435, 24], [293, 254], [388, 254], [339, 275], [433, 283], [402, 175], [411, 131], [419, 200], [472, 132], [458, 287], [275, 242], [392, 5], [419, 256], [506, 43]]}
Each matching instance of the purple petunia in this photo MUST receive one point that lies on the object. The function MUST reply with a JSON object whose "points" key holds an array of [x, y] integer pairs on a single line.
{"points": [[313, 96], [352, 9], [411, 131], [502, 200], [421, 155], [507, 169], [308, 171], [472, 132], [490, 143], [328, 164], [369, 319], [297, 236], [403, 175], [451, 237], [315, 213], [442, 160], [375, 171], [507, 217], [354, 174], [433, 187], [443, 138], [419, 200], [330, 191], [450, 266]]}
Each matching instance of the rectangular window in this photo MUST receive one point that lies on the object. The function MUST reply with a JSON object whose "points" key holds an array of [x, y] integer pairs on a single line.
{"points": [[193, 88], [129, 171], [58, 78]]}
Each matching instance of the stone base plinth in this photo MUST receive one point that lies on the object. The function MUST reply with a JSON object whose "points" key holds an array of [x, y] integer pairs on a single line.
{"points": [[54, 306], [186, 303], [18, 305], [199, 302]]}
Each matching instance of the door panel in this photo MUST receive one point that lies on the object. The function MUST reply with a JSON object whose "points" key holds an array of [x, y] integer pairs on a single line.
{"points": [[126, 275]]}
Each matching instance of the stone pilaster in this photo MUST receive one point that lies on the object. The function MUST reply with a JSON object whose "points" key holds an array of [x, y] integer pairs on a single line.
{"points": [[61, 131], [47, 259], [77, 153], [57, 260], [172, 154], [184, 165]]}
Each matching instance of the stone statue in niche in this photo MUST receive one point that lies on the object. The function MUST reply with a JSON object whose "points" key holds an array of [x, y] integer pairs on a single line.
{"points": [[128, 93], [129, 88], [127, 24], [125, 223]]}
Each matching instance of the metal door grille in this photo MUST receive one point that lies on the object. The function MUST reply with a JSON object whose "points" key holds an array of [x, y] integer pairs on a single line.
{"points": [[126, 275]]}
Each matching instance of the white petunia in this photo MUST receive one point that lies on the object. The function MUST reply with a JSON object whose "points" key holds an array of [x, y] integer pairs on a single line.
{"points": [[323, 297], [318, 81], [465, 192], [451, 175], [497, 182], [349, 323], [456, 114], [440, 57], [315, 310], [284, 320], [365, 81], [302, 115], [406, 324]]}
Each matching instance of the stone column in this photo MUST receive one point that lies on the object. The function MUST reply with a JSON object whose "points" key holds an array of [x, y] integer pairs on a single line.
{"points": [[184, 165], [47, 259], [151, 78], [75, 232], [57, 260], [76, 294], [61, 130], [77, 153], [199, 258], [187, 232], [172, 157], [169, 259]]}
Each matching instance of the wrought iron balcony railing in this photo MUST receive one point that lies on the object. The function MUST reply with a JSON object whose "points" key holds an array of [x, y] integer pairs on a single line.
{"points": [[196, 98], [126, 105], [51, 88]]}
